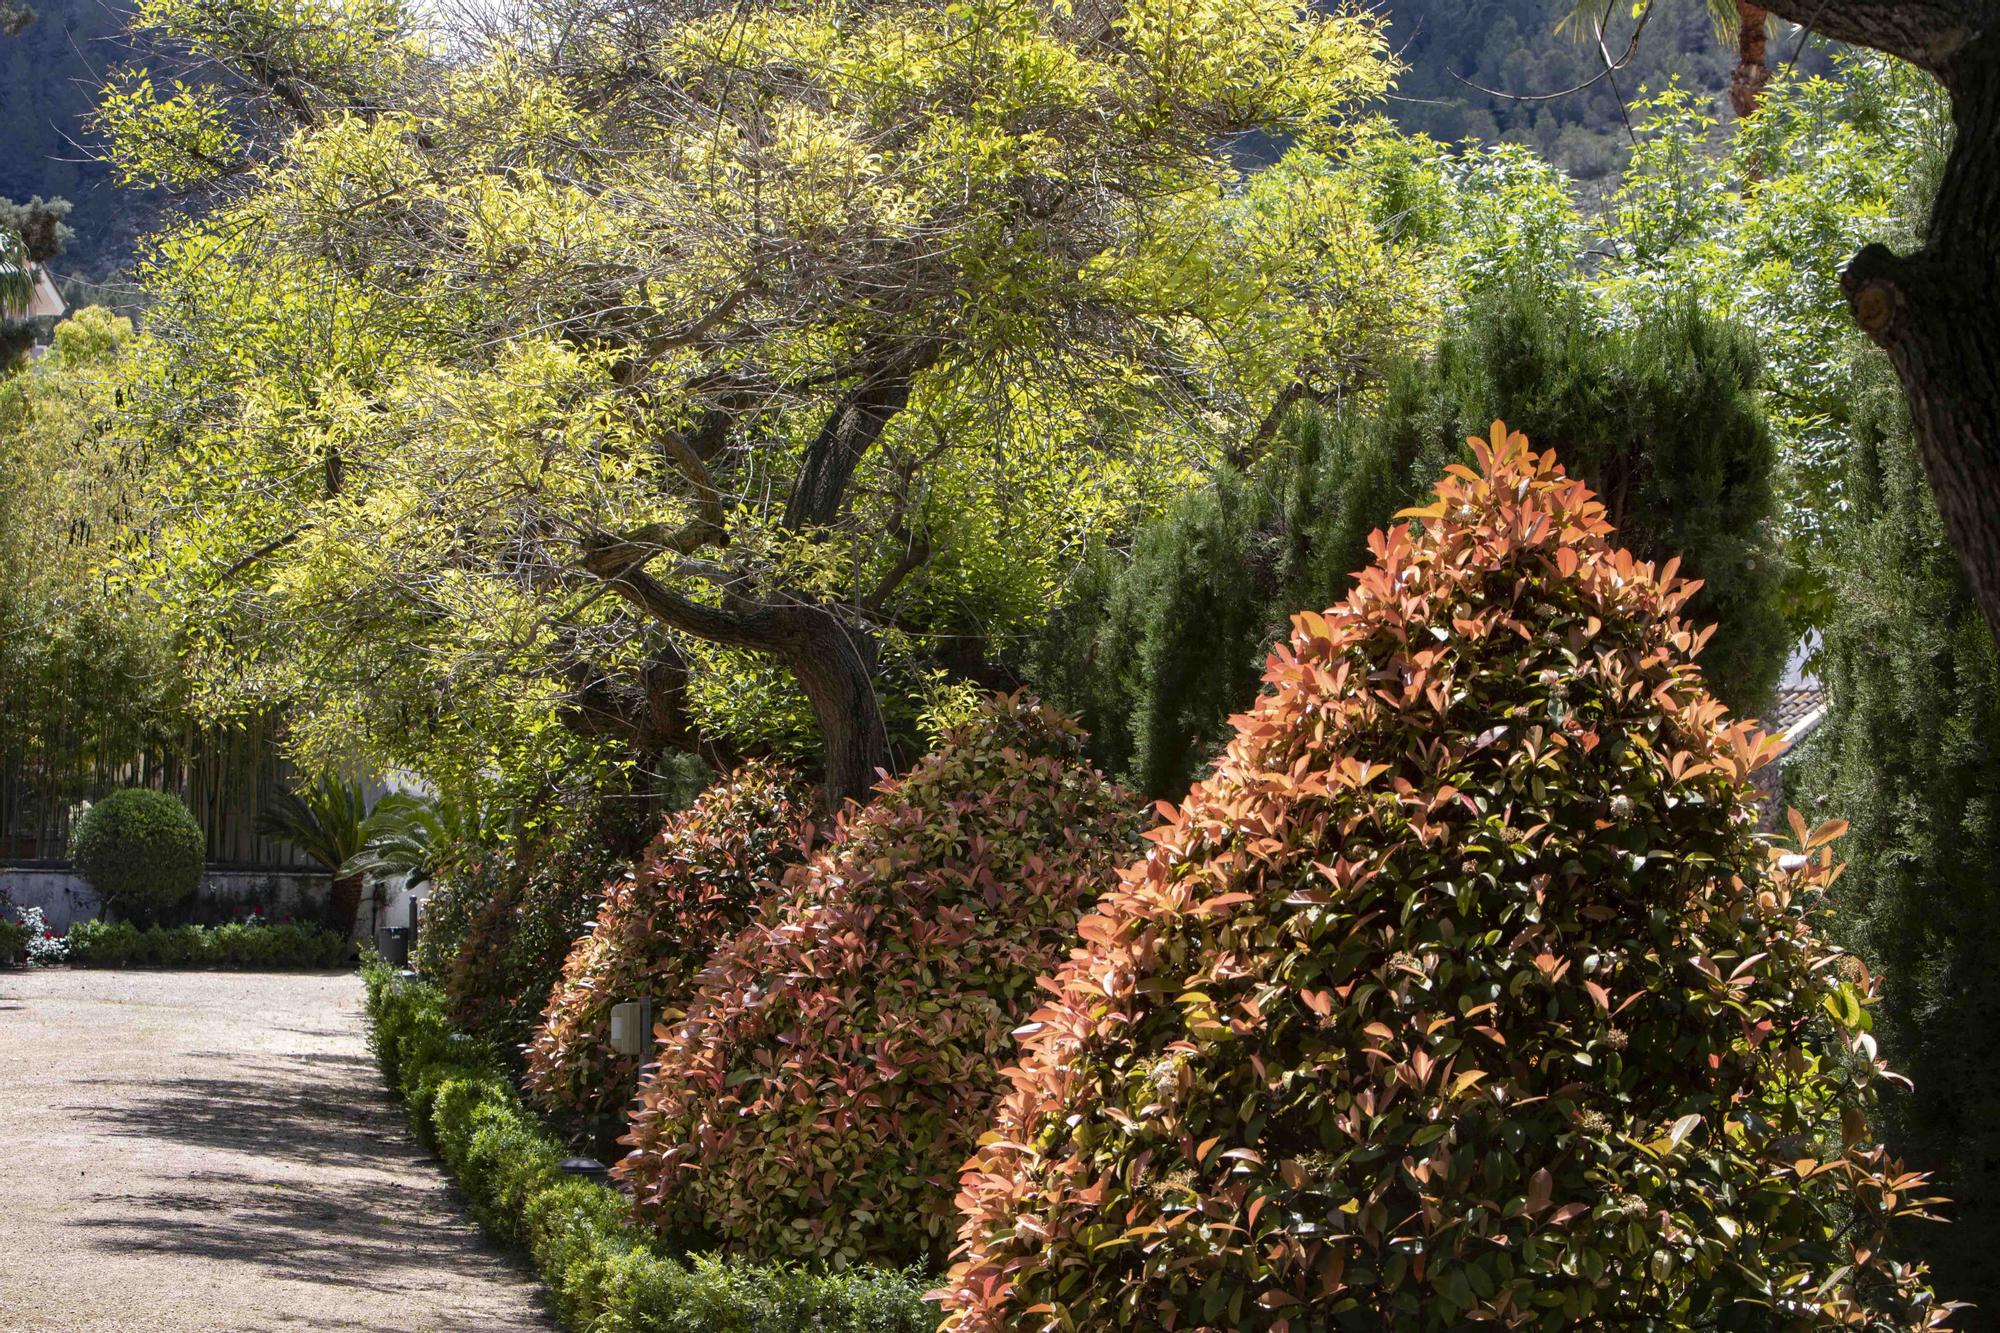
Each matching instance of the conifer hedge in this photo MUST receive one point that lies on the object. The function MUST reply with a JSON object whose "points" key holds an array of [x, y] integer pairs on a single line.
{"points": [[1910, 756], [840, 1056], [1463, 994], [1152, 649]]}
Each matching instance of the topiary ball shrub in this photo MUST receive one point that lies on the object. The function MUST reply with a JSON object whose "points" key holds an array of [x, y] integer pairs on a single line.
{"points": [[838, 1059], [142, 851], [695, 887], [1463, 994]]}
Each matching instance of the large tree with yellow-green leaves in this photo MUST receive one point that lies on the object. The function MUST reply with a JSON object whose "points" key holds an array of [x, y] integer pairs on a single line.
{"points": [[87, 678], [684, 371]]}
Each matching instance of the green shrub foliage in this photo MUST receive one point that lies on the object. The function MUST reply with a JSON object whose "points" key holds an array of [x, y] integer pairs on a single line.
{"points": [[13, 936], [604, 1273], [501, 921], [1152, 650], [1662, 421], [695, 888], [236, 945], [838, 1060], [1909, 754], [1462, 995], [142, 851]]}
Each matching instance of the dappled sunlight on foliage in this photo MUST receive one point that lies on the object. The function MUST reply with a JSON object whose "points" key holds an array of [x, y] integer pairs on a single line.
{"points": [[838, 1060], [1463, 991]]}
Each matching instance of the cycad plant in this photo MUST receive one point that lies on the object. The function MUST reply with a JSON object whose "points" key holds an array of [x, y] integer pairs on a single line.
{"points": [[415, 835], [330, 821]]}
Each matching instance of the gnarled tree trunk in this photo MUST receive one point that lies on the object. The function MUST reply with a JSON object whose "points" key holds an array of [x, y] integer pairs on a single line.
{"points": [[832, 660], [1936, 311]]}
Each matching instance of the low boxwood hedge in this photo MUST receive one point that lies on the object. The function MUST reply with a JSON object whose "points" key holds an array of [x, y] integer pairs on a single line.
{"points": [[605, 1273], [238, 944]]}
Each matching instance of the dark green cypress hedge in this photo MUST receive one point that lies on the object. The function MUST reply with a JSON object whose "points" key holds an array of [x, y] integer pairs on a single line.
{"points": [[1910, 756], [1663, 421], [1152, 648]]}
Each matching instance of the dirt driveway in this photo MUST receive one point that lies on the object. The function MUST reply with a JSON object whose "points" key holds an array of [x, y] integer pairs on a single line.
{"points": [[214, 1151]]}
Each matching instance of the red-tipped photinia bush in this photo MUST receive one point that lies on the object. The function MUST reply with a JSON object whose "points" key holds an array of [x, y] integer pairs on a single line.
{"points": [[1462, 995], [841, 1055], [695, 887]]}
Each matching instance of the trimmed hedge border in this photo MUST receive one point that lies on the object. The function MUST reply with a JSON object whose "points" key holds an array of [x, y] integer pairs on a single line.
{"points": [[605, 1274], [236, 945]]}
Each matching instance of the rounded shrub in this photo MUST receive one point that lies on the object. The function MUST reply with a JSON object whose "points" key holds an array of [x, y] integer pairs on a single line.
{"points": [[141, 850], [694, 888], [1464, 993], [840, 1055]]}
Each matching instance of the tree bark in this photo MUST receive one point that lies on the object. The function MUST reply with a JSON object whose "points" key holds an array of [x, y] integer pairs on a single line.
{"points": [[1936, 311], [1747, 80], [833, 661], [827, 652], [343, 903], [849, 432]]}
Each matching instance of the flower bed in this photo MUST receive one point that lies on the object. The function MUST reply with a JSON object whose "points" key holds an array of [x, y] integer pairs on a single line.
{"points": [[245, 944], [604, 1272], [26, 937]]}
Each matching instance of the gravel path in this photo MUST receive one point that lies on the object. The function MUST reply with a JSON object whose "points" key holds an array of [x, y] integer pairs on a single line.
{"points": [[214, 1151]]}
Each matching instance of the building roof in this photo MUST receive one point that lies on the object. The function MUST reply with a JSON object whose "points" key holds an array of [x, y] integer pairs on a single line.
{"points": [[43, 300], [1793, 706], [1799, 703]]}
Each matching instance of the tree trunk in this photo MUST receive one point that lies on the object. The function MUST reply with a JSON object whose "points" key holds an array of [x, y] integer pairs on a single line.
{"points": [[830, 656], [850, 431], [1936, 312], [834, 665], [343, 903], [832, 660], [1747, 80]]}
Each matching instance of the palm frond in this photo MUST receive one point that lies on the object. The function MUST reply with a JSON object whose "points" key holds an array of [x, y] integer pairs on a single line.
{"points": [[414, 835], [326, 820], [17, 280]]}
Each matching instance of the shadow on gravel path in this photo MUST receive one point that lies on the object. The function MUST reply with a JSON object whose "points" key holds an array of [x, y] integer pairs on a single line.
{"points": [[214, 1151]]}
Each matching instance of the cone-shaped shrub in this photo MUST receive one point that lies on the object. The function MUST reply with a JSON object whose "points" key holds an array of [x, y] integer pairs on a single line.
{"points": [[696, 886], [839, 1059], [1462, 995]]}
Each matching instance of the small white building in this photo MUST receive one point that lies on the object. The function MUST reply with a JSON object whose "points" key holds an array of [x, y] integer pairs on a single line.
{"points": [[44, 301]]}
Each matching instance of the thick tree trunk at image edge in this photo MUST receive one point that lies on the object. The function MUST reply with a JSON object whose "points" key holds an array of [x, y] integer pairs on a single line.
{"points": [[1936, 311], [1747, 80]]}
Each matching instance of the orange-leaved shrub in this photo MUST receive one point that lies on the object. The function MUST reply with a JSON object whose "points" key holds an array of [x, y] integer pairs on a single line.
{"points": [[839, 1058], [695, 887], [1463, 994]]}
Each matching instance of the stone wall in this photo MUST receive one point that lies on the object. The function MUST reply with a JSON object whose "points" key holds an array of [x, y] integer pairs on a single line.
{"points": [[224, 895]]}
